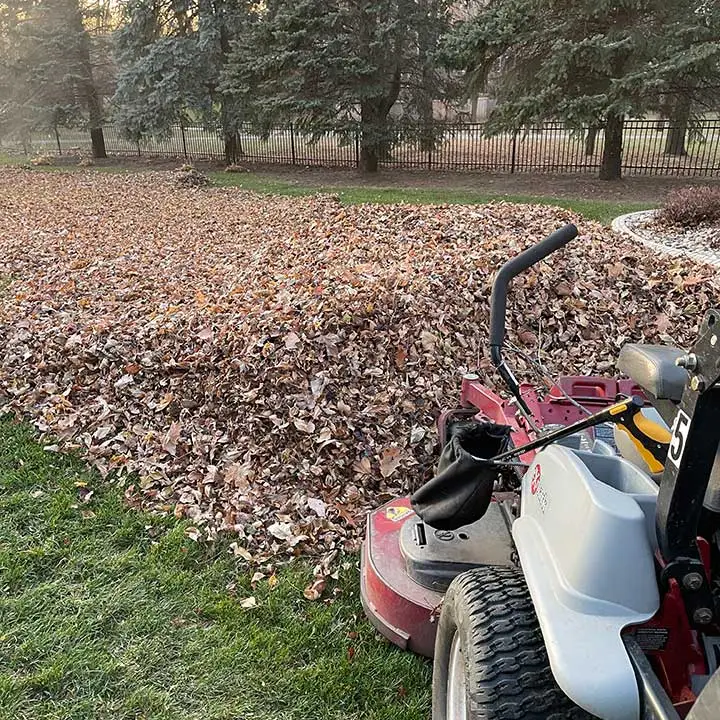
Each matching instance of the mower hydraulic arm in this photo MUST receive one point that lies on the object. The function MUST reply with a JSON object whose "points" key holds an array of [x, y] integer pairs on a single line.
{"points": [[498, 300]]}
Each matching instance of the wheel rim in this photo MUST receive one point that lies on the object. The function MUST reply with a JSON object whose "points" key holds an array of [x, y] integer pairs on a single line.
{"points": [[456, 687]]}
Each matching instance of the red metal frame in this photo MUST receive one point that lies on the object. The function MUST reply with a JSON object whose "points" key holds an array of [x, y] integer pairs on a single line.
{"points": [[681, 657], [555, 409]]}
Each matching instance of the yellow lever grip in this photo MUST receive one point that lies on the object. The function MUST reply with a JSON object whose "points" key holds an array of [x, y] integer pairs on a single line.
{"points": [[649, 438]]}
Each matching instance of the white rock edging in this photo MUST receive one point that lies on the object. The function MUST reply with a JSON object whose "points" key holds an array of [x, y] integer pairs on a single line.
{"points": [[622, 226]]}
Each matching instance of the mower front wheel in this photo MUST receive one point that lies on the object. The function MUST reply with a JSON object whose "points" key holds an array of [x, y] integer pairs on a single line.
{"points": [[490, 659]]}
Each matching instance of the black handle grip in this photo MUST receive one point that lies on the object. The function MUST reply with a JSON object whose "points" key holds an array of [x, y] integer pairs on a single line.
{"points": [[513, 267]]}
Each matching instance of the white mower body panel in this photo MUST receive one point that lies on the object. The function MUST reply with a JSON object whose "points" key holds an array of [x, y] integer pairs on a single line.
{"points": [[585, 538]]}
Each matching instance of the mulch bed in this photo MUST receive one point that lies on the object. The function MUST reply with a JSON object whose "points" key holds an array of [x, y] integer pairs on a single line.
{"points": [[702, 238]]}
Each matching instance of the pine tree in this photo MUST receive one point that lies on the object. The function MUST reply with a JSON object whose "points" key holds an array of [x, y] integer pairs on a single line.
{"points": [[591, 63], [46, 69], [341, 65], [171, 55], [683, 72]]}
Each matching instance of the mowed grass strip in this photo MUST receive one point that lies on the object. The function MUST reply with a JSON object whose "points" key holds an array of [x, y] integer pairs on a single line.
{"points": [[106, 612], [603, 211]]}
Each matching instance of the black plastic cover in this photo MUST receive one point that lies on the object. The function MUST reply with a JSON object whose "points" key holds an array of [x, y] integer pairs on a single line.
{"points": [[461, 491], [433, 558]]}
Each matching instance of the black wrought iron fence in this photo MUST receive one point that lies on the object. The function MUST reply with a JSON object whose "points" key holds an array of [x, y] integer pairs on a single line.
{"points": [[550, 148]]}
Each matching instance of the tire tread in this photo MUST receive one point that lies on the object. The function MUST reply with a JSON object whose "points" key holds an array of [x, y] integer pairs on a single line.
{"points": [[509, 676]]}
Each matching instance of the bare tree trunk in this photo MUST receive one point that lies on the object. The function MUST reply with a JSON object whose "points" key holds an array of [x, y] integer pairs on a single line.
{"points": [[473, 106], [590, 140], [92, 98], [375, 142], [368, 159], [677, 129], [233, 147], [611, 163], [97, 138], [427, 41]]}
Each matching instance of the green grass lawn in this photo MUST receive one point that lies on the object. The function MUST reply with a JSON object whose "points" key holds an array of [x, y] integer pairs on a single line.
{"points": [[106, 612], [602, 210]]}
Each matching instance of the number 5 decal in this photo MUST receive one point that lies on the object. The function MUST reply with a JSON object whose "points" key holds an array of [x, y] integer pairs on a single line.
{"points": [[679, 438]]}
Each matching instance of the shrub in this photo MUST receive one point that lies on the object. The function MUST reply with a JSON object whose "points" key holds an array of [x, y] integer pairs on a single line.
{"points": [[692, 206]]}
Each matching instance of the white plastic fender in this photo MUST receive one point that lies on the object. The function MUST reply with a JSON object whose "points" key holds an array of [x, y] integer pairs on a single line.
{"points": [[588, 562]]}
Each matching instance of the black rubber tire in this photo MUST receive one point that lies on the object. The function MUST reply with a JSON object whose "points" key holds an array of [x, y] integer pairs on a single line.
{"points": [[507, 671]]}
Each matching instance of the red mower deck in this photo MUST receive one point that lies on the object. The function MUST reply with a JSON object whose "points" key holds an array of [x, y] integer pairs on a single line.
{"points": [[403, 611]]}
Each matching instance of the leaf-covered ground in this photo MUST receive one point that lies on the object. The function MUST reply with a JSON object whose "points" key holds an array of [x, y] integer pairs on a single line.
{"points": [[274, 366]]}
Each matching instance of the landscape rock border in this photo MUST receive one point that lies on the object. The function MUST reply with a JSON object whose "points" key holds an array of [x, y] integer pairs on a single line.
{"points": [[625, 225]]}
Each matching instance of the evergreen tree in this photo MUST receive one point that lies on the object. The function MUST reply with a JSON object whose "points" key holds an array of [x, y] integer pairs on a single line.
{"points": [[341, 65], [683, 73], [590, 63], [46, 70], [171, 55]]}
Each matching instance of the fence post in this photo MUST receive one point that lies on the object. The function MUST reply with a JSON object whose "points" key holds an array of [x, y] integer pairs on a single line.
{"points": [[514, 152], [292, 142], [182, 133], [357, 149]]}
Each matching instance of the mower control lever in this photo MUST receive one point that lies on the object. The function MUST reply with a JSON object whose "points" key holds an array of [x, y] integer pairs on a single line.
{"points": [[498, 299], [623, 412], [526, 259]]}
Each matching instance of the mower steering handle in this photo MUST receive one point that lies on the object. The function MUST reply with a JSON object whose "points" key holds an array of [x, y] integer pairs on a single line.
{"points": [[527, 258]]}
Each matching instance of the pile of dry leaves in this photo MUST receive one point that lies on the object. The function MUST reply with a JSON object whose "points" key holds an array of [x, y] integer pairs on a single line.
{"points": [[273, 367]]}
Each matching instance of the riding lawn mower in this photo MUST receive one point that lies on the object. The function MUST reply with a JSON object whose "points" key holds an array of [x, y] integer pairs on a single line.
{"points": [[564, 560]]}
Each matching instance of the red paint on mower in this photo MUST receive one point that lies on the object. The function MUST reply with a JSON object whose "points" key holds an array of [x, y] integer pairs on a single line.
{"points": [[403, 611]]}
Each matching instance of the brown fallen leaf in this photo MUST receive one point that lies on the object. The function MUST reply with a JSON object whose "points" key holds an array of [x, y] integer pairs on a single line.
{"points": [[313, 591], [363, 466], [428, 341], [663, 323], [563, 289], [193, 533], [328, 346], [169, 443], [389, 461], [291, 341]]}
